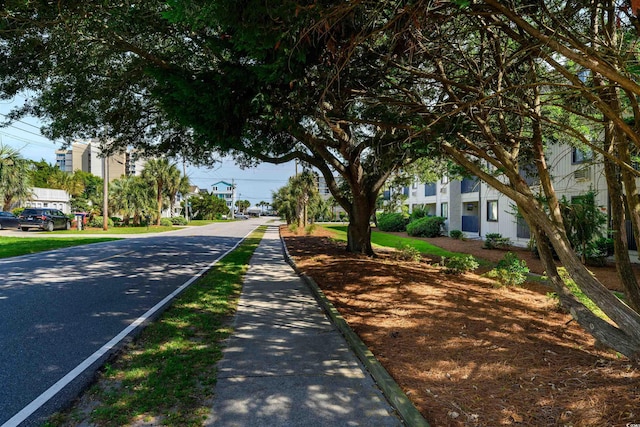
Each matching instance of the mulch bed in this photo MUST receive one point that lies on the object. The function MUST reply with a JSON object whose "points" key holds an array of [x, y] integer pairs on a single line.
{"points": [[468, 353]]}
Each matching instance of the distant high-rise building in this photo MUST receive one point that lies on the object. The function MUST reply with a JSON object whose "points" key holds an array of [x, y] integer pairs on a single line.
{"points": [[85, 156]]}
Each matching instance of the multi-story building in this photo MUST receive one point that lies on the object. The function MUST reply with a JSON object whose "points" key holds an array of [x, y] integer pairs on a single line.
{"points": [[86, 156], [226, 191], [474, 207]]}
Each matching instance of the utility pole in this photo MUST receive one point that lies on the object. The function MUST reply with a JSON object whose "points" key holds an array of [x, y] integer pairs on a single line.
{"points": [[233, 198], [105, 191], [186, 196]]}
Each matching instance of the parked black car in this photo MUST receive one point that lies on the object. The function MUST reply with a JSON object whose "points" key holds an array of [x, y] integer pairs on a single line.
{"points": [[44, 218], [8, 220]]}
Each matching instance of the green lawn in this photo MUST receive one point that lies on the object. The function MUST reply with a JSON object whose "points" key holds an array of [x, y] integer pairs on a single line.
{"points": [[170, 370], [391, 241], [15, 246]]}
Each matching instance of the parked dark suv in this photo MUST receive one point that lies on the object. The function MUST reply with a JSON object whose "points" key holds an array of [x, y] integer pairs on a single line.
{"points": [[44, 219]]}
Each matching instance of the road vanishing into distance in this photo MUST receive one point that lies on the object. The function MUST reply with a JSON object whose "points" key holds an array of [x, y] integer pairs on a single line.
{"points": [[63, 312]]}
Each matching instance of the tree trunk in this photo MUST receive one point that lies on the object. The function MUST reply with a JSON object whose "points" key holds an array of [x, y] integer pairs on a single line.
{"points": [[359, 228], [601, 330], [625, 338], [623, 262]]}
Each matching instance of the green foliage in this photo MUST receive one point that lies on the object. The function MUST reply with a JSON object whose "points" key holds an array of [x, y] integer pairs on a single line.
{"points": [[496, 241], [426, 227], [456, 234], [510, 270], [584, 222], [97, 222], [166, 222], [179, 220], [459, 264], [298, 198], [406, 252], [604, 246], [208, 207], [309, 229], [392, 222], [418, 213]]}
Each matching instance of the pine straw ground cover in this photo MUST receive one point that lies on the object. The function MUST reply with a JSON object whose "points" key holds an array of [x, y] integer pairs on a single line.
{"points": [[467, 353]]}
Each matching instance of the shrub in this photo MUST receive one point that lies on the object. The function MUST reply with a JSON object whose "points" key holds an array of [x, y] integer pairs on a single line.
{"points": [[407, 252], [309, 229], [293, 227], [166, 222], [426, 227], [97, 222], [496, 241], [417, 214], [604, 246], [117, 221], [510, 270], [179, 220], [459, 264], [392, 222], [456, 234]]}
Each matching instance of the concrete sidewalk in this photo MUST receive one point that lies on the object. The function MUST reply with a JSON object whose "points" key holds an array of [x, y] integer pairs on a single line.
{"points": [[286, 364]]}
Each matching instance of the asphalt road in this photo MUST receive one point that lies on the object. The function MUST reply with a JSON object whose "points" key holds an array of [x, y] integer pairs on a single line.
{"points": [[63, 312]]}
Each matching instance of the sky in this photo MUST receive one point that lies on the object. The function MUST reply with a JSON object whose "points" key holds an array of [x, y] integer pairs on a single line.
{"points": [[254, 184]]}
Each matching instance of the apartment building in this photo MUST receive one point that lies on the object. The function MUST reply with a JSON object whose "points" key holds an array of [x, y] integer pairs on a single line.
{"points": [[86, 156], [474, 207]]}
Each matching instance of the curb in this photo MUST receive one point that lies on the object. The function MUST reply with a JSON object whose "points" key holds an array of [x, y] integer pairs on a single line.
{"points": [[391, 390]]}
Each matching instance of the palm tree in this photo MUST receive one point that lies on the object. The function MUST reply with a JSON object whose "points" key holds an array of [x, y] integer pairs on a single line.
{"points": [[177, 183], [15, 183], [130, 196], [158, 173], [71, 183]]}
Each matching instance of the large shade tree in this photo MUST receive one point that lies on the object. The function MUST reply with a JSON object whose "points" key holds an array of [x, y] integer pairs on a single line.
{"points": [[191, 77], [497, 88]]}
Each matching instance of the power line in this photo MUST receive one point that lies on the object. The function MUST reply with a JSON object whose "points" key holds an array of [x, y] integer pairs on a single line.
{"points": [[28, 141], [23, 122]]}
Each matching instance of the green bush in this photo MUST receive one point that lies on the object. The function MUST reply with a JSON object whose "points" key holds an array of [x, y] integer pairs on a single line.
{"points": [[392, 222], [604, 246], [496, 241], [456, 234], [459, 264], [407, 252], [309, 229], [179, 220], [166, 222], [510, 270], [418, 213], [97, 222], [426, 227]]}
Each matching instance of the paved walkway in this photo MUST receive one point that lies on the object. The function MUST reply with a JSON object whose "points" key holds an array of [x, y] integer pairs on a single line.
{"points": [[286, 364]]}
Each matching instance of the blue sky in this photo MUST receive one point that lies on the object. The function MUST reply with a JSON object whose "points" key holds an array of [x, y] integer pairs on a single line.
{"points": [[255, 184]]}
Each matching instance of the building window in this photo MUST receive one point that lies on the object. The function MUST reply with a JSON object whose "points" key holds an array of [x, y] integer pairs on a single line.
{"points": [[444, 210], [492, 210], [215, 188], [580, 156]]}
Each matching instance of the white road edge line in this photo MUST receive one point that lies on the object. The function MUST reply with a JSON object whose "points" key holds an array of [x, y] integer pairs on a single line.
{"points": [[39, 401]]}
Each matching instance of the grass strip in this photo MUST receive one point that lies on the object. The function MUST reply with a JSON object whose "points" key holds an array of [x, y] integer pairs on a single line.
{"points": [[15, 246], [167, 375], [393, 241]]}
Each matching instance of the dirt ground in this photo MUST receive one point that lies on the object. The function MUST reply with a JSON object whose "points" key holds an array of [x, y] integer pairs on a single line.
{"points": [[466, 352]]}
